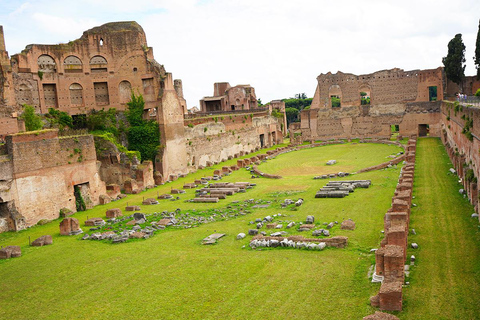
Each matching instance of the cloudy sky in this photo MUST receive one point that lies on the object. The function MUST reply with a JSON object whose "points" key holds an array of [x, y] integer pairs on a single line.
{"points": [[277, 46]]}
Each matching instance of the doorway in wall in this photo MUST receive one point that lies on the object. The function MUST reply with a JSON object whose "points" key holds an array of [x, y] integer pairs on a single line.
{"points": [[262, 140], [82, 196], [394, 131], [423, 130]]}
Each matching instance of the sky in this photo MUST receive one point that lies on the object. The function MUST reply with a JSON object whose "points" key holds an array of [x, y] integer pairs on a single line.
{"points": [[277, 46]]}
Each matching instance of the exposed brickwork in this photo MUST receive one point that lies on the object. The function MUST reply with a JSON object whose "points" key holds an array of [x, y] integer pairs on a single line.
{"points": [[390, 257]]}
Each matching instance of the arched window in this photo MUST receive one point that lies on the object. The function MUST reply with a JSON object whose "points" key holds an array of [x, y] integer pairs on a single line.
{"points": [[46, 63], [98, 64], [72, 64], [335, 94], [365, 95], [124, 91], [76, 94]]}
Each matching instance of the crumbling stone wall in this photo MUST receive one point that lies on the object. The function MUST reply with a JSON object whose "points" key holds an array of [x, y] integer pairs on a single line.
{"points": [[397, 97], [39, 173], [224, 137], [228, 98], [116, 167], [391, 256], [462, 150]]}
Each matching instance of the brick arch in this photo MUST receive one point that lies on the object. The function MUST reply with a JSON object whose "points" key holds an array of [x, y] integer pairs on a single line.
{"points": [[98, 59], [336, 91], [72, 64], [46, 63], [98, 63], [367, 89]]}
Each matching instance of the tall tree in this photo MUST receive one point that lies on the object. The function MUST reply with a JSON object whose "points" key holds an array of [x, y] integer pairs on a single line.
{"points": [[455, 59], [477, 52]]}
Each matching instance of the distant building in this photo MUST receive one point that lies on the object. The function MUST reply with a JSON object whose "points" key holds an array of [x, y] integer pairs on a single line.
{"points": [[227, 98]]}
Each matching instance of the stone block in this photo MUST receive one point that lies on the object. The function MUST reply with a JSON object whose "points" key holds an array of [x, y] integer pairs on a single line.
{"points": [[347, 225], [113, 213], [130, 186], [104, 199], [132, 208], [42, 241], [94, 222], [240, 163], [10, 252], [69, 226], [391, 296]]}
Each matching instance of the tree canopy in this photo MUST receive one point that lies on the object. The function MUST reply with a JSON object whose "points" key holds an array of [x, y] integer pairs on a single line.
{"points": [[292, 115], [455, 59], [300, 102]]}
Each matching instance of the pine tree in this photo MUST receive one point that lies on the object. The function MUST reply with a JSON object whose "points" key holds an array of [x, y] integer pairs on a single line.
{"points": [[455, 59], [477, 52]]}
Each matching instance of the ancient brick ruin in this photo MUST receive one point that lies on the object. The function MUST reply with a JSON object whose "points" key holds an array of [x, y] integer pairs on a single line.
{"points": [[99, 71], [390, 258], [395, 97], [228, 98], [39, 173]]}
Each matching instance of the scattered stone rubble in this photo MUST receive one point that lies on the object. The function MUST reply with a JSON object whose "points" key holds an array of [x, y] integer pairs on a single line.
{"points": [[215, 191], [280, 239], [341, 189], [142, 226]]}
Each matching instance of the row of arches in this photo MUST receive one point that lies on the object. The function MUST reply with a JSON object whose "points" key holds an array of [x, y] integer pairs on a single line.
{"points": [[46, 63], [335, 95]]}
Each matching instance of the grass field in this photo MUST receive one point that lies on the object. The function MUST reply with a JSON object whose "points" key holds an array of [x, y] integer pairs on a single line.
{"points": [[172, 275], [445, 283]]}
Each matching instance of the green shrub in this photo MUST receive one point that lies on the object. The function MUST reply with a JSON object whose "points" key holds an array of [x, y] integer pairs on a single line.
{"points": [[32, 121]]}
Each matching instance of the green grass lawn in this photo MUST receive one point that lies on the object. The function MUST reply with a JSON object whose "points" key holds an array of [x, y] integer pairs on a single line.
{"points": [[172, 275], [445, 283]]}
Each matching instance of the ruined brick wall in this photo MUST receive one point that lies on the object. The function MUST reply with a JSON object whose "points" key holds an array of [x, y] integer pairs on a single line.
{"points": [[397, 97], [44, 170], [354, 122], [227, 98], [391, 256], [462, 148], [97, 71], [470, 86], [229, 136]]}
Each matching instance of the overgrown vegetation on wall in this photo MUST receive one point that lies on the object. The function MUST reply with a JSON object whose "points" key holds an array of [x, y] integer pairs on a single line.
{"points": [[59, 119], [143, 135], [32, 120]]}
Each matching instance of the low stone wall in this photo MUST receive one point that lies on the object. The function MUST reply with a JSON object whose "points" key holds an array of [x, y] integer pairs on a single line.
{"points": [[391, 256]]}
